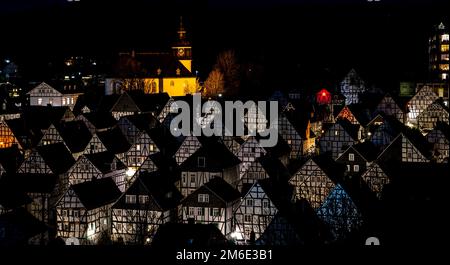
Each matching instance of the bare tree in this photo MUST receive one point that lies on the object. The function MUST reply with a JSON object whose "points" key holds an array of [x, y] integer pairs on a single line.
{"points": [[215, 83], [228, 65]]}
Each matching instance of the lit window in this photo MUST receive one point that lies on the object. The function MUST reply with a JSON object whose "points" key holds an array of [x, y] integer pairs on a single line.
{"points": [[444, 48], [443, 67], [247, 218], [191, 211], [143, 199], [200, 211], [131, 199], [444, 37], [64, 101], [444, 57], [50, 101], [151, 147], [351, 157], [39, 101], [203, 198], [348, 167], [444, 76], [138, 147], [356, 168], [336, 133]]}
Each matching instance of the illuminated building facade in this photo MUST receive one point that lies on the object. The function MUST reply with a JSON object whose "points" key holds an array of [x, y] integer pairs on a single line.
{"points": [[438, 50]]}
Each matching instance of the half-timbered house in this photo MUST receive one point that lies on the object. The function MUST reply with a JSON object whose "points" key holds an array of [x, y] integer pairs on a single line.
{"points": [[97, 121], [339, 137], [84, 211], [49, 159], [213, 160], [296, 132], [44, 94], [212, 203], [352, 87], [434, 113], [375, 178], [406, 148], [388, 106], [439, 139], [357, 158], [420, 102], [149, 202], [340, 212], [189, 146], [315, 179], [254, 212], [249, 151]]}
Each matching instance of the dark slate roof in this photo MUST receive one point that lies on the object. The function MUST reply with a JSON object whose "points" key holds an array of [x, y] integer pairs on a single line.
{"points": [[100, 120], [35, 183], [107, 102], [195, 235], [19, 226], [150, 102], [299, 121], [222, 189], [27, 135], [10, 196], [42, 116], [163, 193], [335, 171], [217, 157], [144, 122], [114, 140], [444, 128], [10, 158], [351, 129], [274, 168], [166, 165], [96, 193], [361, 113], [280, 149], [164, 140], [57, 157], [146, 64], [367, 149], [103, 160], [75, 134]]}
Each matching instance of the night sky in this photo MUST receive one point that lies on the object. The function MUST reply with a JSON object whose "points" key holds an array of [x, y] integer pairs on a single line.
{"points": [[385, 41]]}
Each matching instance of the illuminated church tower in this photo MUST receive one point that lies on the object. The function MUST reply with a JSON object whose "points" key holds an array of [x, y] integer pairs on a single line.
{"points": [[182, 48]]}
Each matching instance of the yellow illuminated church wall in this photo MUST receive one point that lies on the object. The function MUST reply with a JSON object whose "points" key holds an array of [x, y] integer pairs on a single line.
{"points": [[174, 86]]}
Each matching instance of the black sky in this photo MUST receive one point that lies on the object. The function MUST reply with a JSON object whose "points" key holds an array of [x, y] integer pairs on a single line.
{"points": [[386, 40]]}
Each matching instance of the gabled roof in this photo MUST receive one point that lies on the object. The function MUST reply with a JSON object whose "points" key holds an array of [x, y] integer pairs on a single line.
{"points": [[57, 157], [163, 193], [114, 140], [150, 102], [351, 129], [100, 120], [19, 226], [103, 160], [335, 171], [143, 122], [222, 189], [10, 158], [75, 134], [35, 183], [164, 140], [10, 196], [217, 157], [367, 150], [96, 193]]}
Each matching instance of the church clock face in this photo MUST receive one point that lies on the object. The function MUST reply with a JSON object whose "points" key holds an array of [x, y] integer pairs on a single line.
{"points": [[180, 52]]}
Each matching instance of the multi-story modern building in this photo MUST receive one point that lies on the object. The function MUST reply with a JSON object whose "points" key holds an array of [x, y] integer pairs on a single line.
{"points": [[439, 53]]}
